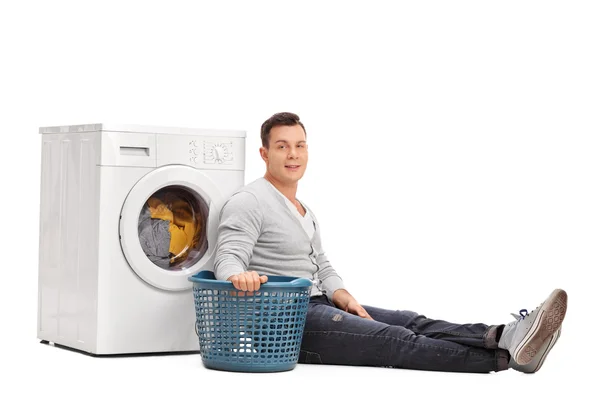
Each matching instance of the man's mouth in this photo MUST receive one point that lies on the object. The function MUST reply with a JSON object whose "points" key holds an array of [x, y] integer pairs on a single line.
{"points": [[292, 166]]}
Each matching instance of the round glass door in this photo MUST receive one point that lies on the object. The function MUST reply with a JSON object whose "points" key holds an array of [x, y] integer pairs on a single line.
{"points": [[168, 226]]}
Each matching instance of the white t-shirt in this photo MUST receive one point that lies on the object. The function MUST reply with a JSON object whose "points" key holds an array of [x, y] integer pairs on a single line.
{"points": [[306, 221]]}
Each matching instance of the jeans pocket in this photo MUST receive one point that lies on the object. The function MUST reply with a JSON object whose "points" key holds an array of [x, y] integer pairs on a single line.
{"points": [[308, 357]]}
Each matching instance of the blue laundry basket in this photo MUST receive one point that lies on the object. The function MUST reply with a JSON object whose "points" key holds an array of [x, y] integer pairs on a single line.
{"points": [[250, 333]]}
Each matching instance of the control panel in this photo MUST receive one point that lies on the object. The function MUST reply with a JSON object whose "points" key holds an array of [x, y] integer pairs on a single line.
{"points": [[201, 152], [211, 152]]}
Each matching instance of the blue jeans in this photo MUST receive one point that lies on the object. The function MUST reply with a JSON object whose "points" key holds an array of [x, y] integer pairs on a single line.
{"points": [[399, 339]]}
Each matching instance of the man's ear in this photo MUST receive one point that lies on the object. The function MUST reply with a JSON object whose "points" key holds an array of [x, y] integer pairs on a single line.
{"points": [[264, 153]]}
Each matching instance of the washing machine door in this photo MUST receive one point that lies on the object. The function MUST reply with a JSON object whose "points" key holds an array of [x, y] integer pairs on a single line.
{"points": [[168, 225]]}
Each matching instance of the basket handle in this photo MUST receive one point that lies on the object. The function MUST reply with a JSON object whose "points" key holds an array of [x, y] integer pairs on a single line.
{"points": [[276, 281]]}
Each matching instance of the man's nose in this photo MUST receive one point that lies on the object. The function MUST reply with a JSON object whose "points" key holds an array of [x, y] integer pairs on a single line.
{"points": [[292, 153]]}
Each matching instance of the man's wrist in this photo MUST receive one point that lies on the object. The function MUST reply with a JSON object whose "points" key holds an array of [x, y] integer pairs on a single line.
{"points": [[341, 298]]}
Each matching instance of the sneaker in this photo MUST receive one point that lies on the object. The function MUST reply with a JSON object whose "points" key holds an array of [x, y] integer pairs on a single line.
{"points": [[540, 357], [525, 337]]}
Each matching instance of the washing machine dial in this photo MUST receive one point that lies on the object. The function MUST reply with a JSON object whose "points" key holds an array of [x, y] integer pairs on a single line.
{"points": [[218, 153]]}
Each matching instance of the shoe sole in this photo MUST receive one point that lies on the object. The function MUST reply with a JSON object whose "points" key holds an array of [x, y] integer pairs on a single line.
{"points": [[550, 346], [547, 321]]}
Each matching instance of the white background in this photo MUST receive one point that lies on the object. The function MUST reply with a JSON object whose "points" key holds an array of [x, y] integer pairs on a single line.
{"points": [[454, 165]]}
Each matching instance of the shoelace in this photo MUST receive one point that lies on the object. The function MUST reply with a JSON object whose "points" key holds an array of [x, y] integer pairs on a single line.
{"points": [[522, 314]]}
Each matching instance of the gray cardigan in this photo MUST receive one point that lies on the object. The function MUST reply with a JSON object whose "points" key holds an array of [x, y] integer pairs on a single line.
{"points": [[258, 232]]}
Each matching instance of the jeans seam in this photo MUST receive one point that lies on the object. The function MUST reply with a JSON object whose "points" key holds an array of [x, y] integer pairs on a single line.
{"points": [[474, 335], [387, 337]]}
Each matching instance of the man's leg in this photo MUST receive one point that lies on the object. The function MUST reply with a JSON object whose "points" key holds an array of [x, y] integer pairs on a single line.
{"points": [[473, 335], [332, 336], [535, 333]]}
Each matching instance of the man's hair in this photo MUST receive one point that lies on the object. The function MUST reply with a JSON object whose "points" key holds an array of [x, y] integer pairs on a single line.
{"points": [[279, 119]]}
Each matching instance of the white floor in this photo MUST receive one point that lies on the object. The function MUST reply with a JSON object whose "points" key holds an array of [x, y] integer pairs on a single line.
{"points": [[53, 372]]}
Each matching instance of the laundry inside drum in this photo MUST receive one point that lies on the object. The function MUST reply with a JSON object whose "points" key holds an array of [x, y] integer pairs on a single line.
{"points": [[172, 228]]}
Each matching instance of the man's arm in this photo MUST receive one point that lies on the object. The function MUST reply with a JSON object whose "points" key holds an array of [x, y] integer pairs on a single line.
{"points": [[239, 228], [335, 290], [334, 287]]}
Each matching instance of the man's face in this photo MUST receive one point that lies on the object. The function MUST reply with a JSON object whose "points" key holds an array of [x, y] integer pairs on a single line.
{"points": [[287, 155]]}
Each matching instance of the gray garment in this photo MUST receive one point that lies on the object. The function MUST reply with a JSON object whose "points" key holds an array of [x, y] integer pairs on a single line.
{"points": [[155, 238], [258, 232]]}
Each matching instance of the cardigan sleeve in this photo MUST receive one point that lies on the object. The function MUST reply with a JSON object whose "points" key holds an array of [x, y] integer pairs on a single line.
{"points": [[240, 225]]}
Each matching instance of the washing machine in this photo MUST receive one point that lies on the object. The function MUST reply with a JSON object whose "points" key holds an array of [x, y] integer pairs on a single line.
{"points": [[127, 214]]}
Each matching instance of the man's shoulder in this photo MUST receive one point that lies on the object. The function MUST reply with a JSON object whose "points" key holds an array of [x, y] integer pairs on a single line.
{"points": [[257, 187], [250, 195]]}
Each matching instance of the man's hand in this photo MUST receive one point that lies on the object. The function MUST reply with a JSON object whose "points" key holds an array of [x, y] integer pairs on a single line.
{"points": [[356, 309], [247, 281], [344, 301]]}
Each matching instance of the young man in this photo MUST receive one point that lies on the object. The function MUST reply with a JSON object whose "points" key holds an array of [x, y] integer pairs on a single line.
{"points": [[265, 230]]}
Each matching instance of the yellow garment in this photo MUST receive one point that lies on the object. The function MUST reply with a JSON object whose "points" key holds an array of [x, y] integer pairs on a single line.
{"points": [[182, 225], [159, 210], [179, 239], [183, 217]]}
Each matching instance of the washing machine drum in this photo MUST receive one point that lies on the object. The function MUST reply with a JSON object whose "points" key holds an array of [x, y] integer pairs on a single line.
{"points": [[172, 228]]}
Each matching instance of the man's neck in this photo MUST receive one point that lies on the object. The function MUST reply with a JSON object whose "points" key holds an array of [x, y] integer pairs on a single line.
{"points": [[288, 191]]}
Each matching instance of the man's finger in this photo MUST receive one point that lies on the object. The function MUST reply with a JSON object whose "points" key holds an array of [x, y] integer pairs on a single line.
{"points": [[264, 279], [243, 284], [236, 282], [255, 281]]}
